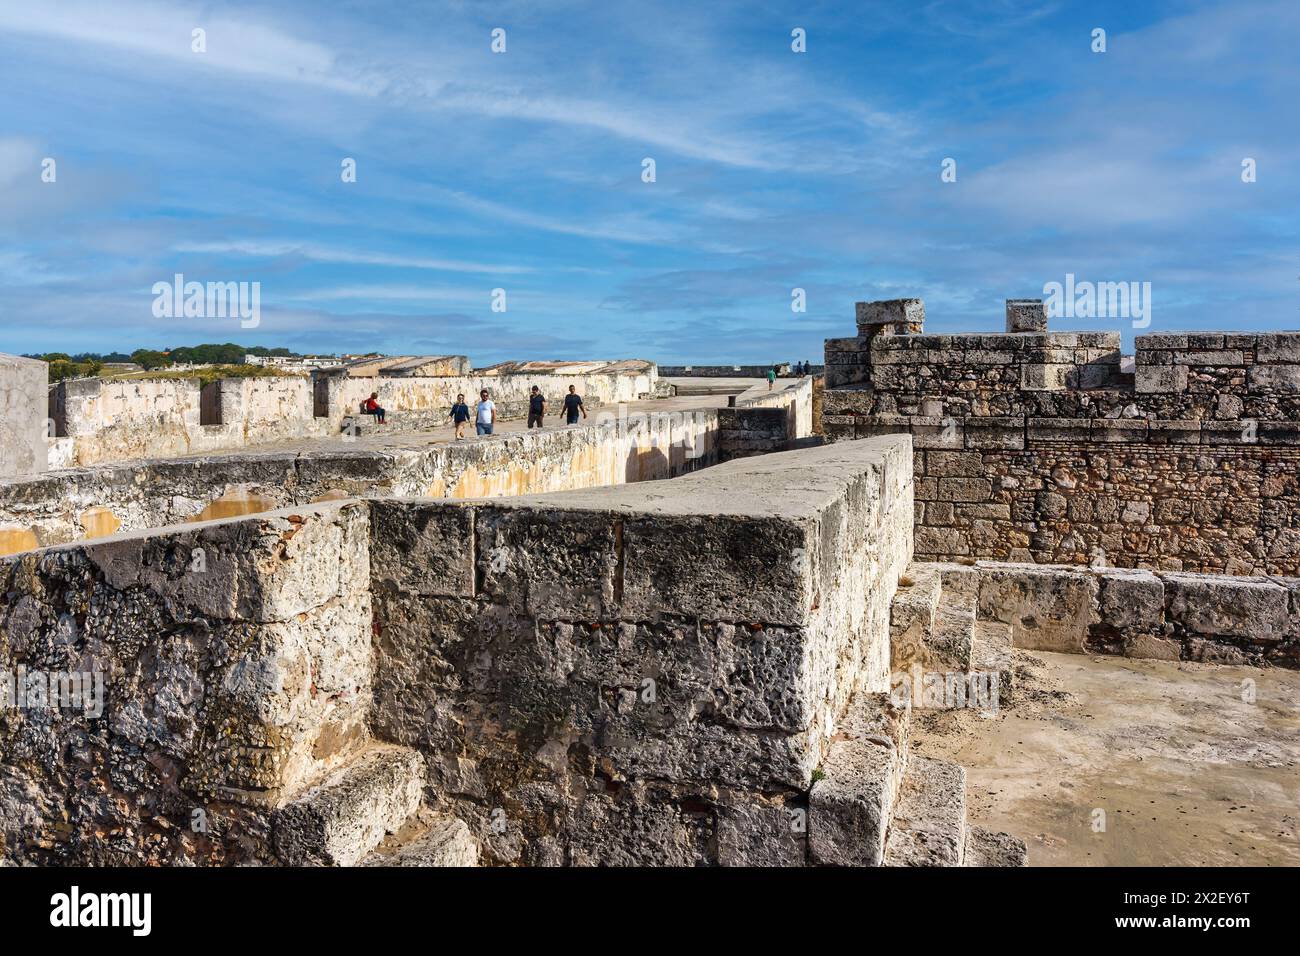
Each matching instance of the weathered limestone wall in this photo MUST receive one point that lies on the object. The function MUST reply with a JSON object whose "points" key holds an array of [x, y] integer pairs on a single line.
{"points": [[762, 422], [107, 420], [110, 420], [625, 675], [617, 675], [509, 391], [74, 504], [1035, 446], [233, 662], [1137, 613], [22, 416]]}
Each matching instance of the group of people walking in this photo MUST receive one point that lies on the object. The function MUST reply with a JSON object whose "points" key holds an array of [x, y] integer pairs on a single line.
{"points": [[485, 410]]}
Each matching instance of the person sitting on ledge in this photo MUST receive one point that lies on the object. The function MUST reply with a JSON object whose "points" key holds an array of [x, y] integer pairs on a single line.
{"points": [[371, 407]]}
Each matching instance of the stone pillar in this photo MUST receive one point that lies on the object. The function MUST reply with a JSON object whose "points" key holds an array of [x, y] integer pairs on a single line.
{"points": [[1026, 315], [24, 406], [891, 317]]}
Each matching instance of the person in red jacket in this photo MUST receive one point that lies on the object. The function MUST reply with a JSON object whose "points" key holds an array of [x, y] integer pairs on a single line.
{"points": [[371, 407]]}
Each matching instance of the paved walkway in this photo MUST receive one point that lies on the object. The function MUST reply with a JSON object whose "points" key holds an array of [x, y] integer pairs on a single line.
{"points": [[1187, 769]]}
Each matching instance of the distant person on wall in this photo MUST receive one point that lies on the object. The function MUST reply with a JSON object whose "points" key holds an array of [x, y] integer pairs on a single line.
{"points": [[536, 408], [573, 405], [771, 378], [486, 414], [371, 407], [459, 416]]}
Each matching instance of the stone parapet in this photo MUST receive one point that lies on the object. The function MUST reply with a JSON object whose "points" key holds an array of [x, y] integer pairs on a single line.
{"points": [[1065, 451]]}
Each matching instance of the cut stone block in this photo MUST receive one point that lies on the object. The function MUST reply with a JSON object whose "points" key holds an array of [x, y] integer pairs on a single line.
{"points": [[428, 550], [906, 312], [23, 408], [1220, 605], [1160, 378], [340, 820], [1131, 599], [949, 646], [911, 616], [929, 823], [1049, 608], [1045, 378], [1026, 315], [986, 847], [851, 805], [1278, 348]]}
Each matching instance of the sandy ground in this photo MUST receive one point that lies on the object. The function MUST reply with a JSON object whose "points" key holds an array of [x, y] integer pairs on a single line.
{"points": [[1184, 768]]}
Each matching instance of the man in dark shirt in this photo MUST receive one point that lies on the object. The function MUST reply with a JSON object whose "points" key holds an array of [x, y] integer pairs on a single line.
{"points": [[573, 405], [536, 408], [459, 416]]}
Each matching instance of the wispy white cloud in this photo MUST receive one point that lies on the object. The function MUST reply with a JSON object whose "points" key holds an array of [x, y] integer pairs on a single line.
{"points": [[149, 32], [277, 248]]}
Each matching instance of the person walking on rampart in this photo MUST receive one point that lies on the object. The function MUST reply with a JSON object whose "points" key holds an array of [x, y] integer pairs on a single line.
{"points": [[536, 408], [459, 416], [573, 405], [485, 414]]}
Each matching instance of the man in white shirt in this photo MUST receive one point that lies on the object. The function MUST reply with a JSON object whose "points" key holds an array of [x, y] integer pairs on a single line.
{"points": [[486, 414]]}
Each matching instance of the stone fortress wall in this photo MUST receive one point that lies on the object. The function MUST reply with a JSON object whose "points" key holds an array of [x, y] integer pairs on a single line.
{"points": [[759, 421], [1033, 445], [613, 445], [22, 417], [603, 676], [613, 448], [106, 420]]}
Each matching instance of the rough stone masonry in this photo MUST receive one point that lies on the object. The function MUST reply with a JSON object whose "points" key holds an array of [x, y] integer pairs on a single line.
{"points": [[1032, 445], [23, 446], [648, 673]]}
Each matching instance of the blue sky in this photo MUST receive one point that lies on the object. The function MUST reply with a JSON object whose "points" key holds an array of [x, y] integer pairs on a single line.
{"points": [[523, 170]]}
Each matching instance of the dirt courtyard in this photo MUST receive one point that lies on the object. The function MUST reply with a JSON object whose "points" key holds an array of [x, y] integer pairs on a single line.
{"points": [[1106, 761]]}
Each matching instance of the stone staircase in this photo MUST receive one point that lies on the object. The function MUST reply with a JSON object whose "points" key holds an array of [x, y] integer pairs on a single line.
{"points": [[933, 624], [876, 804], [369, 812]]}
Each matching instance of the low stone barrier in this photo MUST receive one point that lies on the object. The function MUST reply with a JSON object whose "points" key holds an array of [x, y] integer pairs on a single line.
{"points": [[760, 421], [1155, 614]]}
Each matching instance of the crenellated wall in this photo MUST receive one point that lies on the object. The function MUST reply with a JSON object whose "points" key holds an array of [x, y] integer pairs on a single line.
{"points": [[1038, 446]]}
